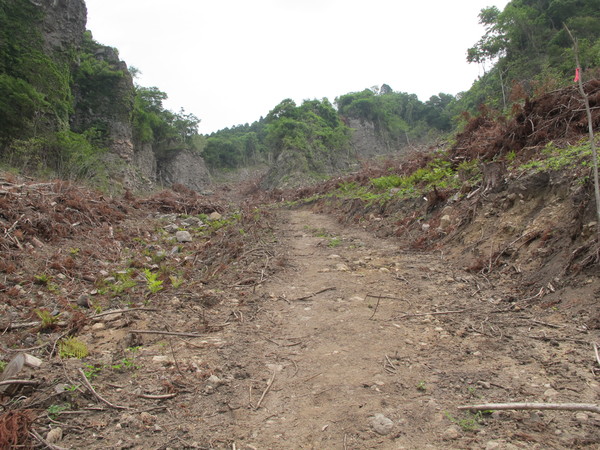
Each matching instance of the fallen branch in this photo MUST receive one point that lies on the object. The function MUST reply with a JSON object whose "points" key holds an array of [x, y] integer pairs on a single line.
{"points": [[21, 382], [158, 397], [439, 313], [316, 293], [95, 394], [16, 326], [596, 352], [168, 333], [539, 406], [119, 311], [268, 388]]}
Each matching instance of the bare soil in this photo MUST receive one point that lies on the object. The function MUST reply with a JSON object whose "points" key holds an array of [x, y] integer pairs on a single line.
{"points": [[350, 327]]}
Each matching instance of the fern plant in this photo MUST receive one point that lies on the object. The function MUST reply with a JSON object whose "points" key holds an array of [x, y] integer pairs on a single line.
{"points": [[71, 347], [152, 282]]}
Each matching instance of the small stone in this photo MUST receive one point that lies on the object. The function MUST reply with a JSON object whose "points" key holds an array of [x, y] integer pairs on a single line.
{"points": [[384, 270], [451, 433], [214, 380], [581, 417], [445, 222], [183, 236], [54, 435], [550, 393], [484, 384], [275, 367], [342, 268], [215, 216], [356, 298], [334, 257], [171, 228], [83, 301], [160, 359], [175, 250], [99, 326], [381, 424], [425, 227], [492, 445]]}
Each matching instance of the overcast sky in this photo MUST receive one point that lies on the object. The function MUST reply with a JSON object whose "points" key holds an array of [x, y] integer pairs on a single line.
{"points": [[231, 61]]}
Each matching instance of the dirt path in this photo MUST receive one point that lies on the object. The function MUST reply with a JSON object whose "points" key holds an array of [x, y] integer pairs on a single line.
{"points": [[341, 335], [342, 356]]}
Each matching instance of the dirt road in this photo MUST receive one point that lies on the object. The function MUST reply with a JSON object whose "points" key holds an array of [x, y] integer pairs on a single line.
{"points": [[354, 344], [344, 339]]}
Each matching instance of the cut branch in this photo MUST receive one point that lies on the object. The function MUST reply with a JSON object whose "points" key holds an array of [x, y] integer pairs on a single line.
{"points": [[539, 406], [168, 333]]}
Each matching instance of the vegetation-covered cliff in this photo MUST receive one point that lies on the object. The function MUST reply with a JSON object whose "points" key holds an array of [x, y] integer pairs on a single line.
{"points": [[69, 107]]}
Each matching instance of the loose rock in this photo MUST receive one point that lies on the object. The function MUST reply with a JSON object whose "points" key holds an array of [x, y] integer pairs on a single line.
{"points": [[54, 435], [183, 236], [451, 433], [381, 424]]}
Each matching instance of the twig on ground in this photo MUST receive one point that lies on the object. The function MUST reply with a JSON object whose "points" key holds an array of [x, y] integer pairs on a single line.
{"points": [[551, 325], [42, 441], [390, 362], [175, 358], [267, 389], [21, 382], [168, 333], [376, 307], [316, 293], [539, 406], [158, 397], [596, 352], [95, 394], [119, 311], [314, 376], [437, 313]]}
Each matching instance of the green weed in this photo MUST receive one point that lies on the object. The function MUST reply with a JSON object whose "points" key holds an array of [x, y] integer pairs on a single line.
{"points": [[91, 371], [152, 282], [48, 320], [334, 242], [54, 410], [469, 421]]}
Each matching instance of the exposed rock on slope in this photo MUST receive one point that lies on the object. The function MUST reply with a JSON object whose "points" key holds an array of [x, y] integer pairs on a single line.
{"points": [[367, 140], [184, 167]]}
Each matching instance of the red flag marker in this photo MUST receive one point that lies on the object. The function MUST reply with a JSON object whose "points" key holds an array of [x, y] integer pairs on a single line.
{"points": [[576, 75]]}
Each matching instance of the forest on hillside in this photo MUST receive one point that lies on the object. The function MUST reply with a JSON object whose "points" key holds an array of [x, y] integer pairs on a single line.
{"points": [[525, 50]]}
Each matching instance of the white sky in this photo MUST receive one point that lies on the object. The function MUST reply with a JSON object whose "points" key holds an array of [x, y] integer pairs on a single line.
{"points": [[231, 61]]}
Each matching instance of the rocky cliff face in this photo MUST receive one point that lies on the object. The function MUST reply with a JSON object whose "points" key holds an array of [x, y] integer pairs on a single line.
{"points": [[184, 167], [368, 141], [63, 24]]}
